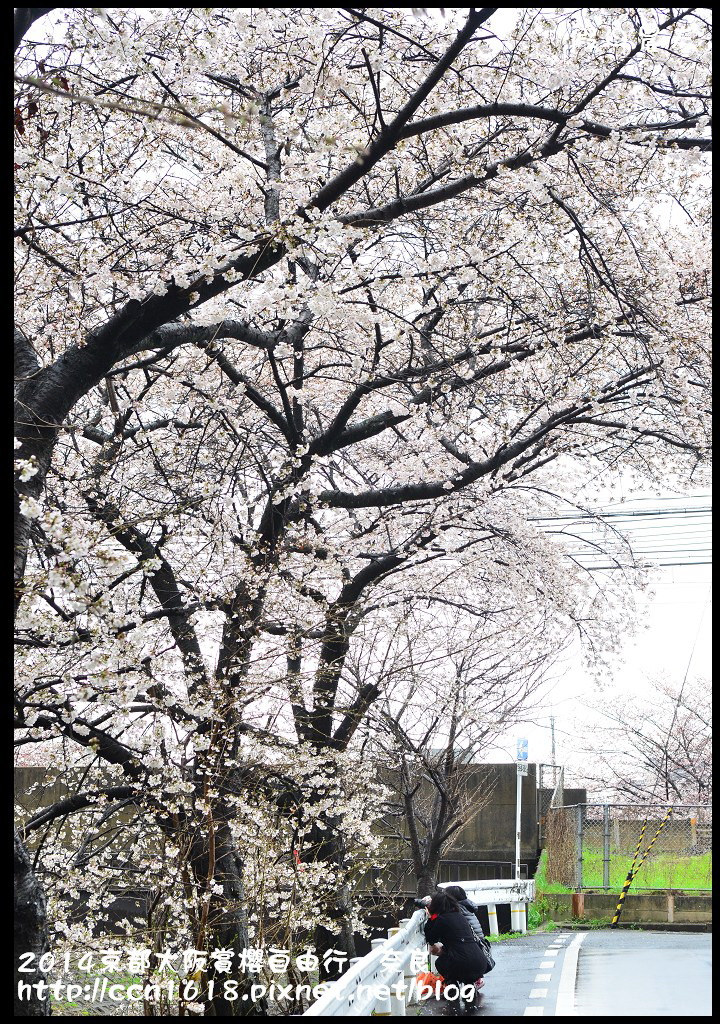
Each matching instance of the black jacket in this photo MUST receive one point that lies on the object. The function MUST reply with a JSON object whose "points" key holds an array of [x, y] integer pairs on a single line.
{"points": [[461, 958]]}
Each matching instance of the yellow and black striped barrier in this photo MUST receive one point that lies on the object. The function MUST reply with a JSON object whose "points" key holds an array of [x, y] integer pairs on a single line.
{"points": [[630, 876], [634, 870]]}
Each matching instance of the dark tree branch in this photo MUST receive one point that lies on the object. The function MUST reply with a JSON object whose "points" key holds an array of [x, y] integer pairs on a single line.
{"points": [[24, 18], [387, 139], [77, 803]]}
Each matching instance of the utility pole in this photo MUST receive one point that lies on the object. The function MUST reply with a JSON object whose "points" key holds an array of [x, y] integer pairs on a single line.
{"points": [[552, 741]]}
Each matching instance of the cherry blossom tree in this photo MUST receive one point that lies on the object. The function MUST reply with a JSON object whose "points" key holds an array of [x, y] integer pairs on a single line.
{"points": [[315, 310], [430, 731], [656, 744]]}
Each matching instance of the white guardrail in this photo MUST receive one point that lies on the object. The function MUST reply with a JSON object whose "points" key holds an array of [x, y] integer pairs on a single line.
{"points": [[380, 983]]}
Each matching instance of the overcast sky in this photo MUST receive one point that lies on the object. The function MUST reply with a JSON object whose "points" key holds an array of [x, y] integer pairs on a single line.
{"points": [[674, 638]]}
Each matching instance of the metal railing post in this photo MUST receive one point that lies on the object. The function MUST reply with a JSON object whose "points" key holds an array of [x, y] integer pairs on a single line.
{"points": [[381, 1007], [517, 917], [410, 988], [397, 985], [606, 846]]}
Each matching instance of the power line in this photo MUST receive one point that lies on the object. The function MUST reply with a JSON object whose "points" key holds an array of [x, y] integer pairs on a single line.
{"points": [[654, 544], [681, 535], [678, 497], [648, 532], [653, 565], [599, 515]]}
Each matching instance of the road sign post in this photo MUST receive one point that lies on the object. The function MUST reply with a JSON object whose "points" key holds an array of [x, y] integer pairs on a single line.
{"points": [[518, 798], [522, 768]]}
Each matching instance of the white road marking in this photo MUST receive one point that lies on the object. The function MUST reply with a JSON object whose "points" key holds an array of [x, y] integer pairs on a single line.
{"points": [[551, 952], [547, 963], [534, 1011], [538, 993], [565, 1006], [543, 977]]}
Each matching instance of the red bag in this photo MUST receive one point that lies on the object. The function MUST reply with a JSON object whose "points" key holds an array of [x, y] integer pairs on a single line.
{"points": [[428, 980]]}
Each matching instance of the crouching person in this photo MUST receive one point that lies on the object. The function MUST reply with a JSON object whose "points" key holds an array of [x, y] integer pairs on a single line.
{"points": [[459, 959], [470, 909]]}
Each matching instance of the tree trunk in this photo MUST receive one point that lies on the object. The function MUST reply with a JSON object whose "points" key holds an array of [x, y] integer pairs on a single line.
{"points": [[427, 881], [227, 926], [30, 935], [327, 845], [325, 940]]}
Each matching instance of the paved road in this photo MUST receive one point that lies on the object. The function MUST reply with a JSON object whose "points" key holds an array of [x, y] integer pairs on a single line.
{"points": [[597, 973], [644, 974], [526, 978]]}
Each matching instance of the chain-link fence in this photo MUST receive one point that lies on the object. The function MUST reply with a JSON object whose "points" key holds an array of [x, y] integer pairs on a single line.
{"points": [[592, 846]]}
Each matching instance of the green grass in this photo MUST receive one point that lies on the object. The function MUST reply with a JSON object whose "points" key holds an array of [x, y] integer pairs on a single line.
{"points": [[661, 871], [548, 926], [541, 883], [505, 935], [72, 1008], [534, 916]]}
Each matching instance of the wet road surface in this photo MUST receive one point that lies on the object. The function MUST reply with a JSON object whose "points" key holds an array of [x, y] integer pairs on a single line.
{"points": [[525, 981], [644, 974], [602, 973]]}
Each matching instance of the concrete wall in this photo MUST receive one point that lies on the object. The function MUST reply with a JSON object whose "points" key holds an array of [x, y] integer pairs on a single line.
{"points": [[638, 908], [570, 796], [37, 788], [491, 834]]}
